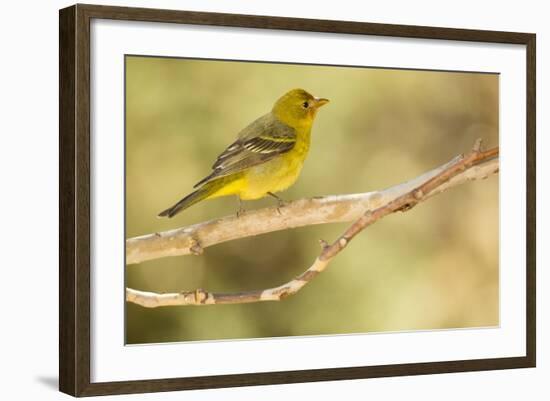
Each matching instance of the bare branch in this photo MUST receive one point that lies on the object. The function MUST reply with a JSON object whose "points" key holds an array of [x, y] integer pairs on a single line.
{"points": [[475, 165], [303, 212]]}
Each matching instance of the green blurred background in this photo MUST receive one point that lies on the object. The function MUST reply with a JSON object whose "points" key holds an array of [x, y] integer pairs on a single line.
{"points": [[433, 267]]}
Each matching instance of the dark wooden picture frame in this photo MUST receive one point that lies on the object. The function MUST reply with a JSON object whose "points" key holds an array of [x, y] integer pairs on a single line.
{"points": [[74, 199]]}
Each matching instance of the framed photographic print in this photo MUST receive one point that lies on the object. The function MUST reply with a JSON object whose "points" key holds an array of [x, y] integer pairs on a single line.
{"points": [[251, 200]]}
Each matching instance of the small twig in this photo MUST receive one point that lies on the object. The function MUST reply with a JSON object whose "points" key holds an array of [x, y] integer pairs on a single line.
{"points": [[419, 193]]}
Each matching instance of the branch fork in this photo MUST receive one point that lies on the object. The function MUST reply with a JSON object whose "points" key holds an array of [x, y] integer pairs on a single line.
{"points": [[366, 209]]}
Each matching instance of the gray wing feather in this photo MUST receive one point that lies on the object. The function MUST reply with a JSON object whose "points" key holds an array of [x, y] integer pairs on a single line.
{"points": [[259, 142]]}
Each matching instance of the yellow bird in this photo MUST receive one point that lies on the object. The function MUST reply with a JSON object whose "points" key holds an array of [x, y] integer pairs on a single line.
{"points": [[266, 158]]}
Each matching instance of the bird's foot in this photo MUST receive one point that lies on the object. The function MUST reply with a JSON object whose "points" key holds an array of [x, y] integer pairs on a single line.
{"points": [[241, 210], [280, 202]]}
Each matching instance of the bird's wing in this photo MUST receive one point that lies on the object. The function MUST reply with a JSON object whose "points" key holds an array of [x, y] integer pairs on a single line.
{"points": [[259, 142]]}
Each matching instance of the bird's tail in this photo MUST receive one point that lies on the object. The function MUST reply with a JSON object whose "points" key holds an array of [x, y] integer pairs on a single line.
{"points": [[189, 200]]}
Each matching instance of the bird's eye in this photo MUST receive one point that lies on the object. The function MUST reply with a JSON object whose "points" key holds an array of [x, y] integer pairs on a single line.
{"points": [[305, 105]]}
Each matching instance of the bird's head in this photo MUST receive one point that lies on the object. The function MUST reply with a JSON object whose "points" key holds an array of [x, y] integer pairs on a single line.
{"points": [[297, 107]]}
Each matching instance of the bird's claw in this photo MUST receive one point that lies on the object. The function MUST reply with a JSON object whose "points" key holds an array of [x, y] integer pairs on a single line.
{"points": [[241, 210], [280, 204]]}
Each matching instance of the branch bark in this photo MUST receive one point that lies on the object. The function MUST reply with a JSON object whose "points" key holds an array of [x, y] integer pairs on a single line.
{"points": [[366, 208], [303, 212]]}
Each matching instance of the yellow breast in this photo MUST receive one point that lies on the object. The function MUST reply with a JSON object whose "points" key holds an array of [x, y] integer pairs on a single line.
{"points": [[275, 175]]}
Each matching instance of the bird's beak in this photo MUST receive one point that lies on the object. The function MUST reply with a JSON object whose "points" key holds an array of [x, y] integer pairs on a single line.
{"points": [[320, 101]]}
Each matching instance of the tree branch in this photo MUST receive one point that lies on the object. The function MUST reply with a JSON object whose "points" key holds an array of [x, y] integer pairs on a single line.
{"points": [[368, 208], [303, 212]]}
